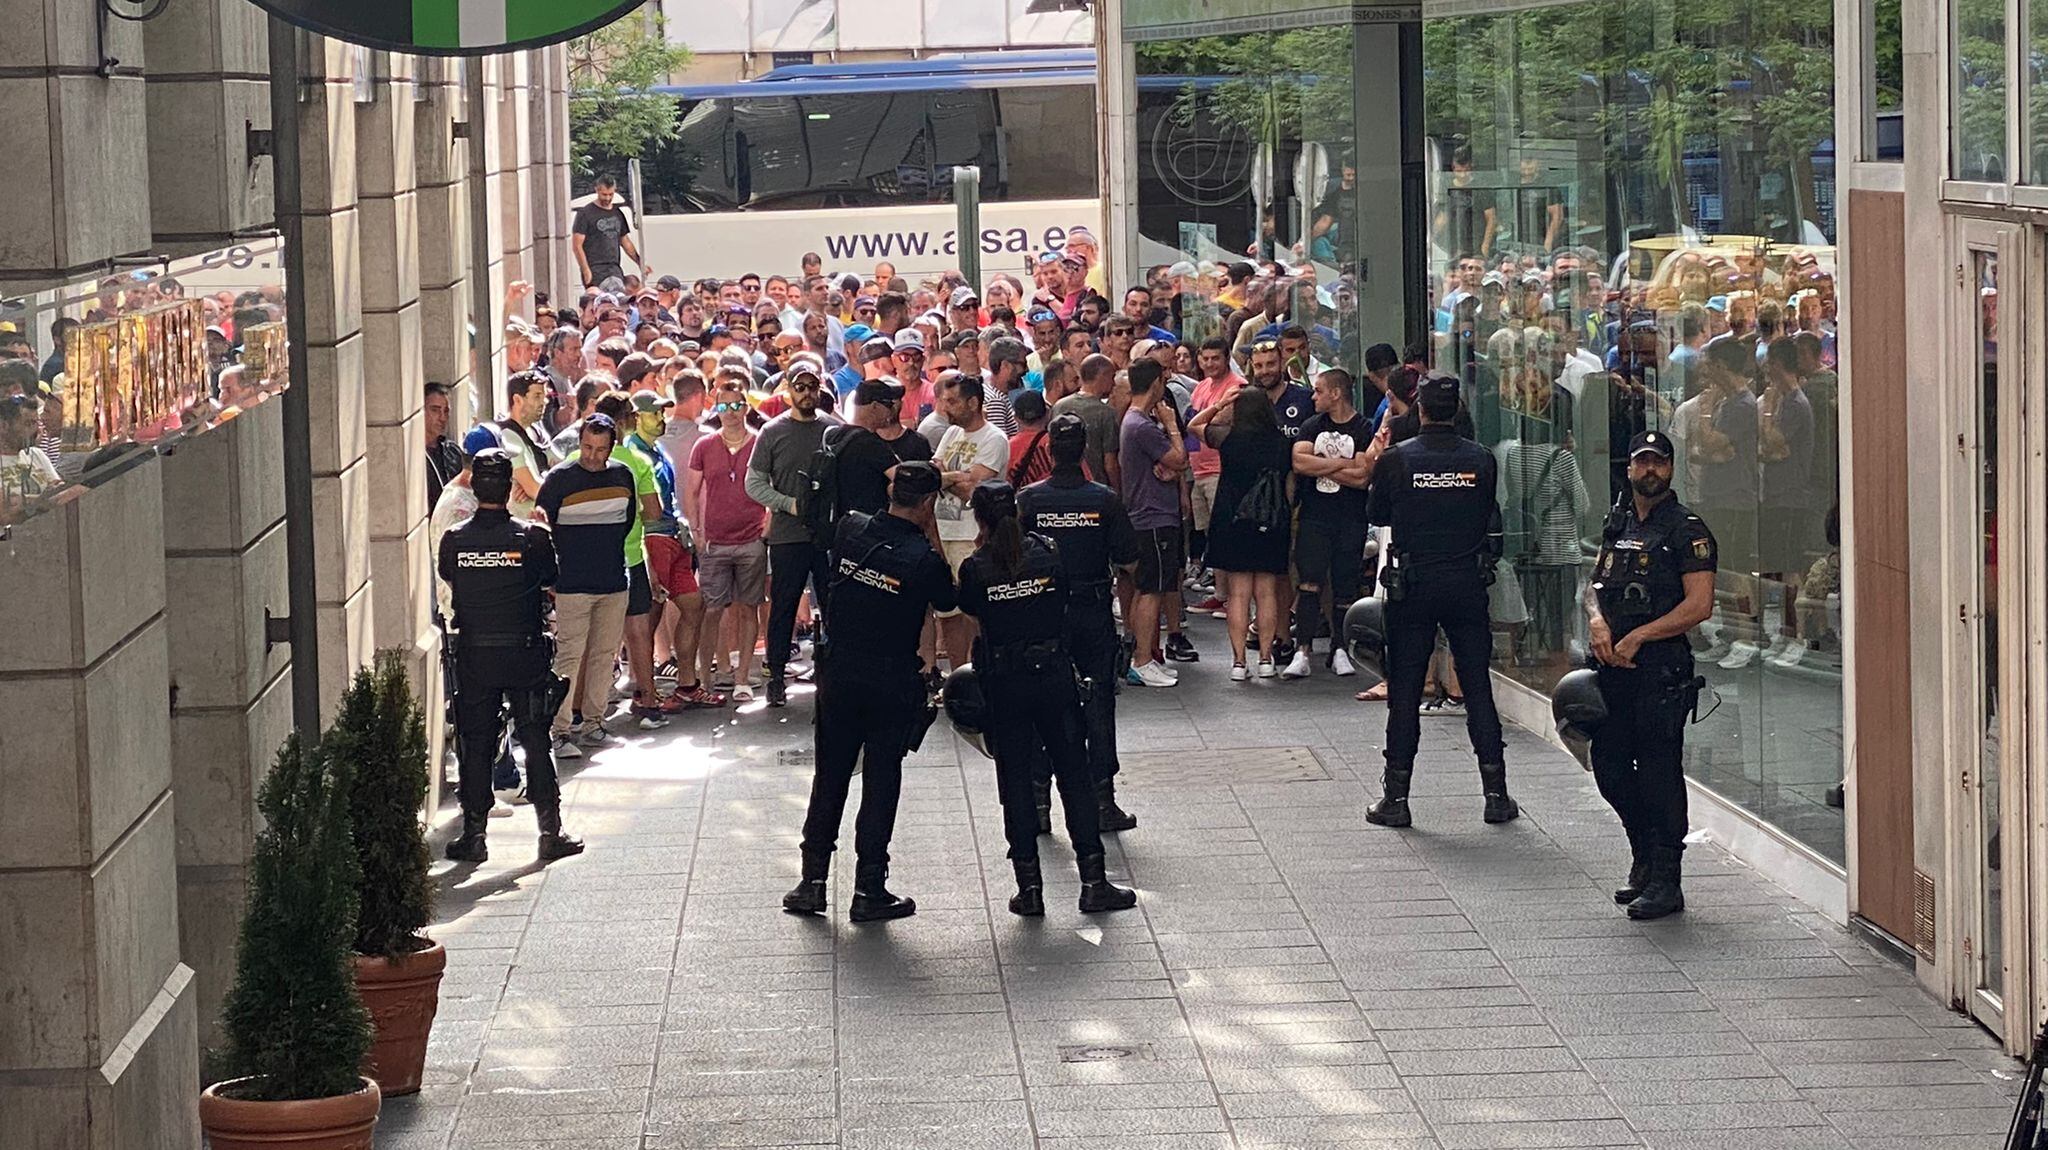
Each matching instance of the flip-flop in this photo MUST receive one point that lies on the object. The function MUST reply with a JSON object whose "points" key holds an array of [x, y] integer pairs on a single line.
{"points": [[1377, 693]]}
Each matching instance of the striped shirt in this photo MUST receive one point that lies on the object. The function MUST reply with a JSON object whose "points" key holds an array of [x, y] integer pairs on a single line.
{"points": [[591, 513]]}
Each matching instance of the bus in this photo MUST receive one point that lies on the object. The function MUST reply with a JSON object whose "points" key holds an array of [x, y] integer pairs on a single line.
{"points": [[854, 162]]}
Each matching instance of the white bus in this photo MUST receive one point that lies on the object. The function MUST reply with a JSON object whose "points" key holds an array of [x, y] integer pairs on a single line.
{"points": [[854, 162]]}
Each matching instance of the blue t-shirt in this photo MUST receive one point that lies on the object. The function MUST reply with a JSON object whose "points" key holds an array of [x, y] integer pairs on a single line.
{"points": [[1294, 408], [591, 513]]}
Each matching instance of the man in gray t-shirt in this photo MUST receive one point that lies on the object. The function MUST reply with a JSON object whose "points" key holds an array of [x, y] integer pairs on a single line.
{"points": [[1097, 412], [775, 479]]}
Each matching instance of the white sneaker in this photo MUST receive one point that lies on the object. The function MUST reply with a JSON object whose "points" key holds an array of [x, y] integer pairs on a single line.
{"points": [[1340, 663], [501, 809], [1789, 657], [1154, 675], [594, 735], [1777, 648], [512, 796], [1297, 667], [1238, 674], [1265, 668], [565, 747], [1741, 655], [1219, 614]]}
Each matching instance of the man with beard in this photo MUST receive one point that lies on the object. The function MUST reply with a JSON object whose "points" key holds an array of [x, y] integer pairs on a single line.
{"points": [[1293, 403], [1653, 582], [776, 476]]}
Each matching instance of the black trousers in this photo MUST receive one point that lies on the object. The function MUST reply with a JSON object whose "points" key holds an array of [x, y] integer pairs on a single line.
{"points": [[862, 710], [1638, 755], [1455, 602], [488, 680], [1094, 645], [1033, 715], [792, 566]]}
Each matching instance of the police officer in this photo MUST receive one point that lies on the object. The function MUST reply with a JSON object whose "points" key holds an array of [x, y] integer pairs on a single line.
{"points": [[871, 697], [1437, 493], [1092, 532], [1653, 582], [497, 567], [1015, 586]]}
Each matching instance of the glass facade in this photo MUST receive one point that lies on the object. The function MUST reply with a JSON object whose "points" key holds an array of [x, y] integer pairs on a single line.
{"points": [[1612, 188]]}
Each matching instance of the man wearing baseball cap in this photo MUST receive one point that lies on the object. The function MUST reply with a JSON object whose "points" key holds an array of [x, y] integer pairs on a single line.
{"points": [[1437, 492], [1652, 583], [875, 443]]}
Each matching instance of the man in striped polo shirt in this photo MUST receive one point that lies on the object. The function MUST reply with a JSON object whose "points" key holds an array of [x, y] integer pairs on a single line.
{"points": [[591, 506]]}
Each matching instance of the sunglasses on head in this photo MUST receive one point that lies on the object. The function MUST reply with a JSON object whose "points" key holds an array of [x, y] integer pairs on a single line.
{"points": [[1267, 345]]}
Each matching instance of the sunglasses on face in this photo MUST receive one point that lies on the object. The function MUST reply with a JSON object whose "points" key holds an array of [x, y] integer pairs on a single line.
{"points": [[802, 386], [726, 405]]}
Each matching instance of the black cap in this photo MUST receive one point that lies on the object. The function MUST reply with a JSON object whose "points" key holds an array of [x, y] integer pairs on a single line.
{"points": [[1438, 385], [877, 391], [993, 499], [1655, 442], [669, 283], [1028, 406], [1067, 427], [916, 477]]}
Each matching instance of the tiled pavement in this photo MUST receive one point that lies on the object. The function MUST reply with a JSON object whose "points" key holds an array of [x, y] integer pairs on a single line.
{"points": [[1292, 977]]}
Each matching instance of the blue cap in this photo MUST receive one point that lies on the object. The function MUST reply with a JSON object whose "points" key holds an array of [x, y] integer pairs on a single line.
{"points": [[480, 438], [858, 333]]}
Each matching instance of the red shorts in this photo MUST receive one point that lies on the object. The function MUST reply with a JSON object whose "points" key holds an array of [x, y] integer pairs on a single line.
{"points": [[672, 567]]}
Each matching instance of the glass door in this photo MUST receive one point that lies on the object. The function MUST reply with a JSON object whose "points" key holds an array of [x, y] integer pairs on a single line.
{"points": [[1989, 325]]}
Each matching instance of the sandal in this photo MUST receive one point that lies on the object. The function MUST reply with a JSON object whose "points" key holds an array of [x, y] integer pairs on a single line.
{"points": [[1377, 693], [696, 696]]}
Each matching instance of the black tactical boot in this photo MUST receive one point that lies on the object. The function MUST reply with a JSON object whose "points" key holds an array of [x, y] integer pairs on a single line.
{"points": [[1638, 873], [1493, 781], [553, 843], [872, 901], [1097, 892], [1107, 813], [1041, 797], [470, 846], [809, 895], [1029, 901], [778, 691], [1392, 809], [1661, 895]]}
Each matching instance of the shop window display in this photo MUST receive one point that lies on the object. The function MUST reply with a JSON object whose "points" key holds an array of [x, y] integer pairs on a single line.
{"points": [[98, 375], [1611, 192]]}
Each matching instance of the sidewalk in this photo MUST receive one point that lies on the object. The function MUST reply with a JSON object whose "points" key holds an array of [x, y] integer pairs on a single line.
{"points": [[1293, 976]]}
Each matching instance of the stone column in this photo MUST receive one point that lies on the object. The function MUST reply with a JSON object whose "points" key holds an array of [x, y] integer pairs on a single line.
{"points": [[393, 377], [553, 269], [334, 352], [230, 690], [98, 1034], [208, 86], [439, 164]]}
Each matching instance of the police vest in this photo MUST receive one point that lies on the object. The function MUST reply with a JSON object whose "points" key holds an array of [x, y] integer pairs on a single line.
{"points": [[496, 567], [883, 576], [1440, 501], [1640, 573], [1023, 612], [1077, 519]]}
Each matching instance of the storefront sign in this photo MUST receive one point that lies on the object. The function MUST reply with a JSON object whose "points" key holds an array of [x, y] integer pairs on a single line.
{"points": [[451, 27]]}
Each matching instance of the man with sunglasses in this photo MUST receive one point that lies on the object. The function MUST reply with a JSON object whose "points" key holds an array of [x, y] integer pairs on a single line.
{"points": [[875, 443], [908, 353], [776, 477]]}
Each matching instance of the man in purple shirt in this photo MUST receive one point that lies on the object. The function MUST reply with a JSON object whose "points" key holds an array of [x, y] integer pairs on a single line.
{"points": [[1153, 455]]}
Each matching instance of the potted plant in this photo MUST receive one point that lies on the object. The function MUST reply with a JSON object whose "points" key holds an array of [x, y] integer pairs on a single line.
{"points": [[382, 732], [294, 1029]]}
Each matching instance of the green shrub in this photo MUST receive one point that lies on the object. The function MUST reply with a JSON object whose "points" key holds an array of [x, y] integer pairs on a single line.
{"points": [[382, 732], [292, 1021]]}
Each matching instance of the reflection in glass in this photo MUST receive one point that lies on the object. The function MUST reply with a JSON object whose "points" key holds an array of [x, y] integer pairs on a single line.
{"points": [[1887, 96], [1991, 951], [1595, 225], [1979, 87], [2037, 97]]}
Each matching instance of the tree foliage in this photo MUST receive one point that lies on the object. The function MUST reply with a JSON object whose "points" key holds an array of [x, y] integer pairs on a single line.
{"points": [[611, 110], [382, 734], [292, 1020]]}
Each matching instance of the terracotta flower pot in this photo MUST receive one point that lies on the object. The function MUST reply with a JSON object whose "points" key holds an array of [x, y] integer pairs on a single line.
{"points": [[345, 1122], [402, 997]]}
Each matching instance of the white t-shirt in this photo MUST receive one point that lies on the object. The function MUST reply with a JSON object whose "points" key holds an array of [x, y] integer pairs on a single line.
{"points": [[1685, 420], [456, 504], [958, 451], [28, 473], [523, 455]]}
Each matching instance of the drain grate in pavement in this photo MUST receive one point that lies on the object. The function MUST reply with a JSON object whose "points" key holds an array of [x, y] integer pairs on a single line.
{"points": [[1225, 768], [1132, 1052], [804, 757]]}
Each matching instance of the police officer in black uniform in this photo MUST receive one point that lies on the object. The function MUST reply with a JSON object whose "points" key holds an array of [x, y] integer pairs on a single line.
{"points": [[1653, 582], [1016, 586], [1437, 493], [497, 567], [887, 572], [1092, 532]]}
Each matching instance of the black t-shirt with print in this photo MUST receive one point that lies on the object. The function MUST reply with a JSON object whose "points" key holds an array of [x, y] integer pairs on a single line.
{"points": [[1326, 499]]}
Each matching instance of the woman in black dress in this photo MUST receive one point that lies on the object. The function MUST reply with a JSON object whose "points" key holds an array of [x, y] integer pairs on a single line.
{"points": [[1250, 530]]}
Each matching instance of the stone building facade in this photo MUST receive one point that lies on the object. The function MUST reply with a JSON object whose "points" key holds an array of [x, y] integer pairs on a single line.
{"points": [[140, 701]]}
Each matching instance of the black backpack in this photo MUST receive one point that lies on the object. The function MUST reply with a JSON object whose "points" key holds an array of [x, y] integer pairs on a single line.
{"points": [[817, 502], [1265, 505]]}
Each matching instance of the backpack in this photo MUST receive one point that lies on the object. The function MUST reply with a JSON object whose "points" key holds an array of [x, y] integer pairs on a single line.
{"points": [[817, 501], [1265, 505]]}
